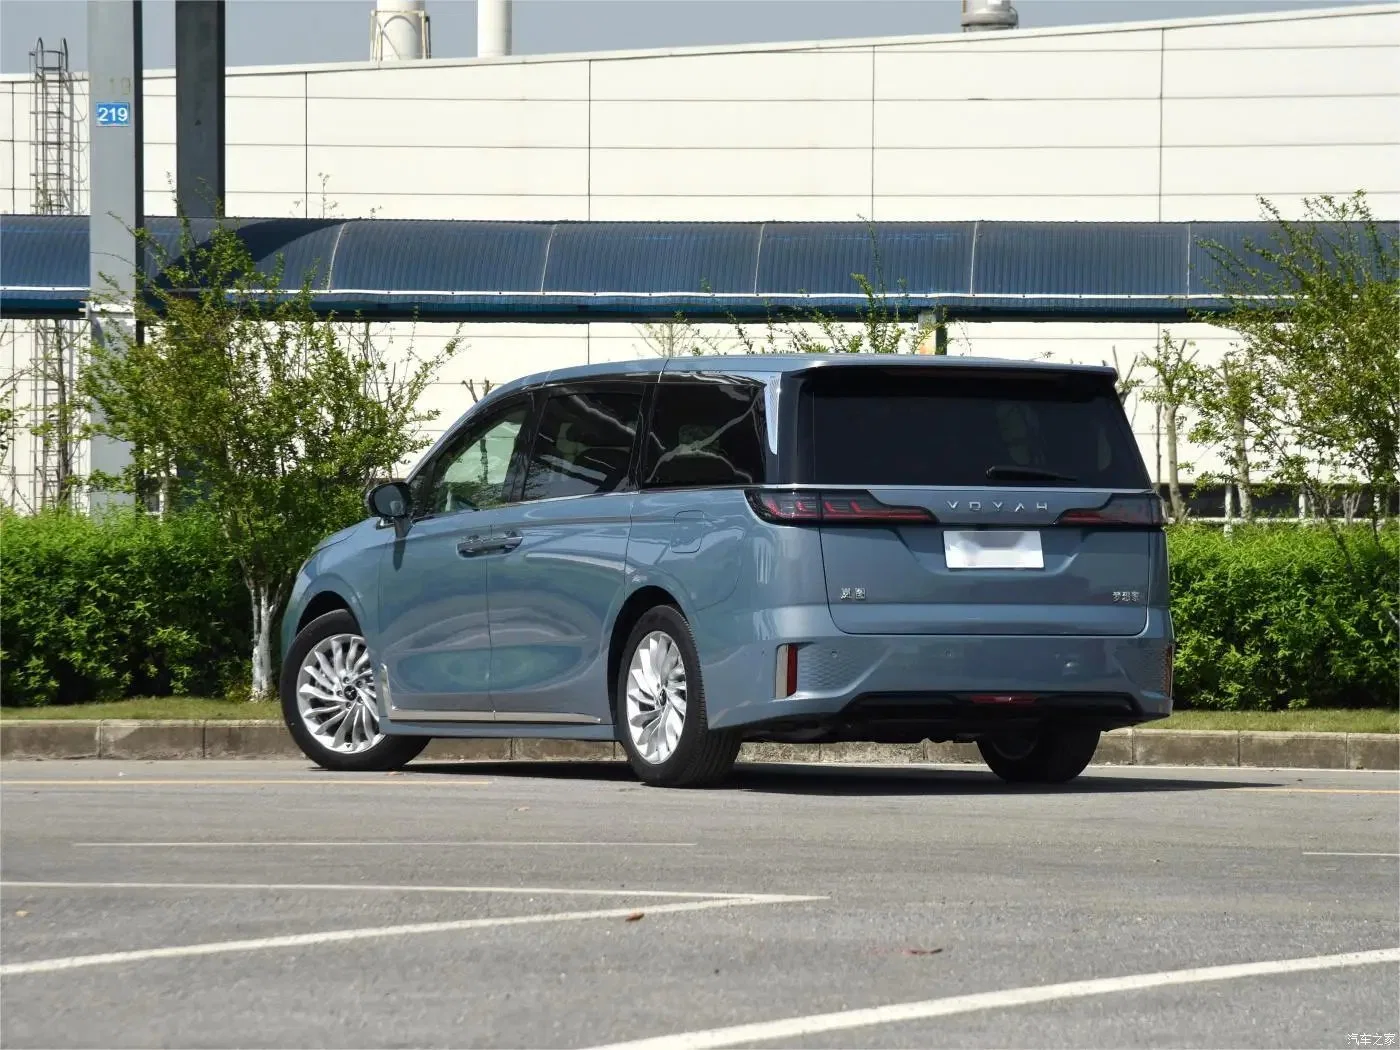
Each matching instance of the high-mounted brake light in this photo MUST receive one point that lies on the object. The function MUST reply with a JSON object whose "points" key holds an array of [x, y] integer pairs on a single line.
{"points": [[1130, 511], [798, 507]]}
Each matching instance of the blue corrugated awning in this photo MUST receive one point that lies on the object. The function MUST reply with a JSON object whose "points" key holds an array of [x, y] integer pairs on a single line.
{"points": [[573, 271]]}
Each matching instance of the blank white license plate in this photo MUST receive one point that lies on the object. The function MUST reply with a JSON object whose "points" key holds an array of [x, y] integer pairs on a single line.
{"points": [[993, 549]]}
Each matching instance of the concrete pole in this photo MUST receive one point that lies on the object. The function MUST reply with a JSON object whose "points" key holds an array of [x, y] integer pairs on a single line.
{"points": [[937, 342], [199, 108], [117, 209], [492, 28]]}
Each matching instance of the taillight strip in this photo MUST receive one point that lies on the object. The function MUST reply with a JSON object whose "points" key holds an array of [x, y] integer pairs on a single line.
{"points": [[803, 507]]}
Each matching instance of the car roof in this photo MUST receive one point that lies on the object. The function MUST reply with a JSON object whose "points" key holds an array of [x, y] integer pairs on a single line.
{"points": [[777, 364]]}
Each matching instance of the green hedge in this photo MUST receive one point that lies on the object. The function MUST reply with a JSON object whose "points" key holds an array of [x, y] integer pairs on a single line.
{"points": [[128, 605], [1279, 616]]}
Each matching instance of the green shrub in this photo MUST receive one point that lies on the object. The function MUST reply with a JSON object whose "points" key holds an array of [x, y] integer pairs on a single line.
{"points": [[1279, 616], [128, 604], [97, 609]]}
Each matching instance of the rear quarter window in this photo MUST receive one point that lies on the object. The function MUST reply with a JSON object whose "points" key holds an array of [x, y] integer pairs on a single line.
{"points": [[706, 432], [967, 430]]}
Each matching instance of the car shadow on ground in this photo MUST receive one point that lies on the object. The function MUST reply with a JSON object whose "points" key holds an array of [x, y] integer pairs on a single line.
{"points": [[801, 779]]}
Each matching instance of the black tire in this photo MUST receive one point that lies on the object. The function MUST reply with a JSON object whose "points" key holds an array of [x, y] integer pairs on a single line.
{"points": [[392, 752], [702, 756], [1050, 756]]}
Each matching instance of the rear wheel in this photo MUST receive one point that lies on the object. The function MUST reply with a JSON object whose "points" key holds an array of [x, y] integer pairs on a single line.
{"points": [[659, 704], [1045, 756], [329, 703]]}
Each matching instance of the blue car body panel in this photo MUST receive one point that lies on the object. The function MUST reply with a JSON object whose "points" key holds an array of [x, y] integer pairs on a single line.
{"points": [[521, 642]]}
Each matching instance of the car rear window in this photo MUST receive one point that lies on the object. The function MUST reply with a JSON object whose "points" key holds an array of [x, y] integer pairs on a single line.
{"points": [[893, 428]]}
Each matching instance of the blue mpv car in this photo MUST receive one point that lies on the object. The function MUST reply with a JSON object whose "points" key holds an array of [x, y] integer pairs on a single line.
{"points": [[685, 554]]}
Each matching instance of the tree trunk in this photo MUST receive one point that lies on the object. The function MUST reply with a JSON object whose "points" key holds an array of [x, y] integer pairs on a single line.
{"points": [[264, 614], [1174, 467], [1242, 482]]}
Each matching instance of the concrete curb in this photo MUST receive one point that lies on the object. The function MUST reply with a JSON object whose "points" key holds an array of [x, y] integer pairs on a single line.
{"points": [[59, 739]]}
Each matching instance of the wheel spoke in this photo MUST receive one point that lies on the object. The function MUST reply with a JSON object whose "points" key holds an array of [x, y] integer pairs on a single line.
{"points": [[314, 692], [675, 722], [322, 670]]}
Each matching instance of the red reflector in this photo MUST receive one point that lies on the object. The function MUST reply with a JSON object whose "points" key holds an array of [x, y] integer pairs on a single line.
{"points": [[785, 682], [1003, 698]]}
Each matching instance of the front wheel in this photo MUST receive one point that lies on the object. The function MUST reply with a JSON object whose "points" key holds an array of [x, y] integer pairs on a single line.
{"points": [[328, 700], [660, 707], [1046, 756]]}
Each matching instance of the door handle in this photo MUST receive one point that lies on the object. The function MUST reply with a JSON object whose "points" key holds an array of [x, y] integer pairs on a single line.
{"points": [[498, 543]]}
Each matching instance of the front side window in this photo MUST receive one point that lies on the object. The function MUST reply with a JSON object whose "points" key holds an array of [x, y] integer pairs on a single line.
{"points": [[584, 444], [705, 433], [473, 473]]}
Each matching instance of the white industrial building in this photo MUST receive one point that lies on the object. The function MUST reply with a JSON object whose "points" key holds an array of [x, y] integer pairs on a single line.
{"points": [[1190, 119]]}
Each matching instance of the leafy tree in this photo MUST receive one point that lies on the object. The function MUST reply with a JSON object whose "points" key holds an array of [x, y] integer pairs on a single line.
{"points": [[1232, 416], [241, 399], [886, 325], [1314, 389], [1172, 367], [676, 337], [9, 413]]}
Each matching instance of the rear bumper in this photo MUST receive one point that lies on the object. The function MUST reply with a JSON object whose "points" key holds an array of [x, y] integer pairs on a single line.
{"points": [[938, 685]]}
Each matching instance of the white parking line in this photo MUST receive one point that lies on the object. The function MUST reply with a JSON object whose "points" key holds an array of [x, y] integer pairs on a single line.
{"points": [[408, 930], [1306, 854], [797, 1027], [465, 842], [523, 891]]}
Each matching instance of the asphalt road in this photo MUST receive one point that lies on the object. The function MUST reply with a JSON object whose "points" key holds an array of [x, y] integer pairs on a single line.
{"points": [[266, 904]]}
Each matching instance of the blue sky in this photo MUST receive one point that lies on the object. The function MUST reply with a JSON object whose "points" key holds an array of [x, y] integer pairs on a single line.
{"points": [[276, 32]]}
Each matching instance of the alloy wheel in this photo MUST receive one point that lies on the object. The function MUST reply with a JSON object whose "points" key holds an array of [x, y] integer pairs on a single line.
{"points": [[336, 697], [656, 697]]}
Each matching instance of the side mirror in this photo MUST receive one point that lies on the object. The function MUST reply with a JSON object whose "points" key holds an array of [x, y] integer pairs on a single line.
{"points": [[391, 501]]}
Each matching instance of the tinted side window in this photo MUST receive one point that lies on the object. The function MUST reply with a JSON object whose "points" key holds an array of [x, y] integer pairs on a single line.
{"points": [[704, 433], [584, 444], [473, 472]]}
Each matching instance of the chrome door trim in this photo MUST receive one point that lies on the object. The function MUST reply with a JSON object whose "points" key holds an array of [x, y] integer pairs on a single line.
{"points": [[534, 717], [547, 717], [410, 715]]}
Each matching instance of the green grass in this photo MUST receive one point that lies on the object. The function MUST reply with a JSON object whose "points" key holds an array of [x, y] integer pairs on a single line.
{"points": [[1320, 720], [167, 707]]}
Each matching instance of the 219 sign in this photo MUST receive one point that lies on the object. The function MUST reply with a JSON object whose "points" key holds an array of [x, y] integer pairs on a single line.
{"points": [[114, 114]]}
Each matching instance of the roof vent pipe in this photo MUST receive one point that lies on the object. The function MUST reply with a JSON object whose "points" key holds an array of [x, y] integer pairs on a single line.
{"points": [[982, 15], [492, 28], [399, 31]]}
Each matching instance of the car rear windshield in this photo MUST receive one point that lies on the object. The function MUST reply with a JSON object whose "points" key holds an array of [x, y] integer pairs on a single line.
{"points": [[960, 429]]}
